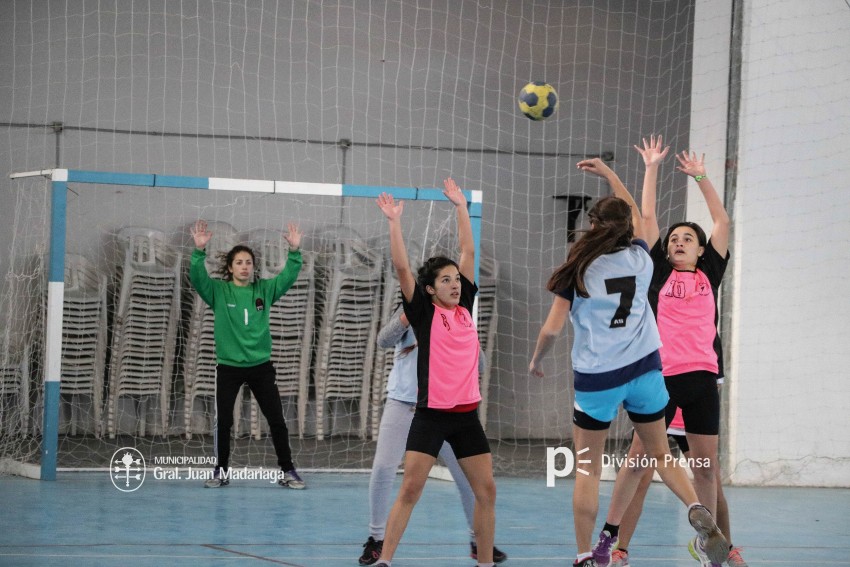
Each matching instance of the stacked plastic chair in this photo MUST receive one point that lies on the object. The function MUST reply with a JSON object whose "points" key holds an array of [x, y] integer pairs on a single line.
{"points": [[488, 318], [84, 324], [291, 324], [14, 390], [199, 359], [145, 325], [348, 281]]}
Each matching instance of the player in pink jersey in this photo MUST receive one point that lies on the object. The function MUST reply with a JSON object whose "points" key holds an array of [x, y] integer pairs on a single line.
{"points": [[676, 431], [688, 271], [602, 289], [438, 305]]}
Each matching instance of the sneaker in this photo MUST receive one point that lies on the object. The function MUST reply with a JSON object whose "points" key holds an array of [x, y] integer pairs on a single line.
{"points": [[589, 562], [292, 480], [709, 545], [619, 558], [735, 559], [697, 551], [498, 554], [216, 481], [602, 549], [371, 551]]}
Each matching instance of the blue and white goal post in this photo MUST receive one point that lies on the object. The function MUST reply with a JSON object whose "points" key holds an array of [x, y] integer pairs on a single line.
{"points": [[60, 180]]}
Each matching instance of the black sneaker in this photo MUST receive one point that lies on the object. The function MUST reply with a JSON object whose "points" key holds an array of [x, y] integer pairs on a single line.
{"points": [[498, 554], [371, 551], [589, 562]]}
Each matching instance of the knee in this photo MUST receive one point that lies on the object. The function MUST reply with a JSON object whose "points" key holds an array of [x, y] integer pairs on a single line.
{"points": [[485, 494], [705, 473], [639, 465], [409, 493]]}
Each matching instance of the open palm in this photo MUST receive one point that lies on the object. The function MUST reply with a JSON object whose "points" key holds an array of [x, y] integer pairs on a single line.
{"points": [[389, 207], [200, 234], [652, 152]]}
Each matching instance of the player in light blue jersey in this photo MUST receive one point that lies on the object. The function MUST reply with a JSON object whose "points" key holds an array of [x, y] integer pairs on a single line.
{"points": [[602, 288]]}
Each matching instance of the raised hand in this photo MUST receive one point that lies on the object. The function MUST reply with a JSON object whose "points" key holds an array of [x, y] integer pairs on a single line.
{"points": [[294, 236], [595, 166], [389, 207], [690, 164], [200, 234], [453, 192], [651, 152]]}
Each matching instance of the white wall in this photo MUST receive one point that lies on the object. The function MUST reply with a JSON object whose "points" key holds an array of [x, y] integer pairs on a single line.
{"points": [[789, 418]]}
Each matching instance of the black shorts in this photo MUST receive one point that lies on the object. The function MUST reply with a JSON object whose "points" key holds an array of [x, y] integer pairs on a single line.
{"points": [[696, 393], [463, 431], [681, 441]]}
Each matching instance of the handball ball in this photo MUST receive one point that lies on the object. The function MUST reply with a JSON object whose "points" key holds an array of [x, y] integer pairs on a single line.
{"points": [[538, 100]]}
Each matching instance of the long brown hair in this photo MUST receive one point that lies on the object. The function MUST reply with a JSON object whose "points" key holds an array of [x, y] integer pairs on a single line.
{"points": [[611, 228]]}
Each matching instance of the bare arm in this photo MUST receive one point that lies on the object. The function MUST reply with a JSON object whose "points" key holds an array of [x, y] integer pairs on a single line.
{"points": [[597, 167], [694, 167], [555, 321], [652, 155], [464, 229], [398, 252]]}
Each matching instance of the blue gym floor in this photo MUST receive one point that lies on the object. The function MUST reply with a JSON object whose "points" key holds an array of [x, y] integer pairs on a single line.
{"points": [[81, 519]]}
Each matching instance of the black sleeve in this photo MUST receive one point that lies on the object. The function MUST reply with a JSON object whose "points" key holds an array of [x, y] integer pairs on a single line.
{"points": [[568, 293], [658, 253], [468, 290], [713, 264], [415, 309]]}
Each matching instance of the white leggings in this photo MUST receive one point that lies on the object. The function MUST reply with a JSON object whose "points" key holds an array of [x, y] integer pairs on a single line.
{"points": [[392, 439]]}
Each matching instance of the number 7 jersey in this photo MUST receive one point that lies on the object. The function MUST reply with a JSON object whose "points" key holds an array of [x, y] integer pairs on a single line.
{"points": [[616, 337]]}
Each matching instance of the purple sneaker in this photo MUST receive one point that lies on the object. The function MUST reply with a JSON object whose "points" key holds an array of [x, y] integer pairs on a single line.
{"points": [[602, 549]]}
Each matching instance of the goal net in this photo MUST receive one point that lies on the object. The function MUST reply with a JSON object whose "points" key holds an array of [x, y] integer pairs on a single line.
{"points": [[384, 93]]}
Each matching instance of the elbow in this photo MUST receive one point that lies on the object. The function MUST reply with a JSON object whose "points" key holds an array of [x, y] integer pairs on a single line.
{"points": [[548, 335]]}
